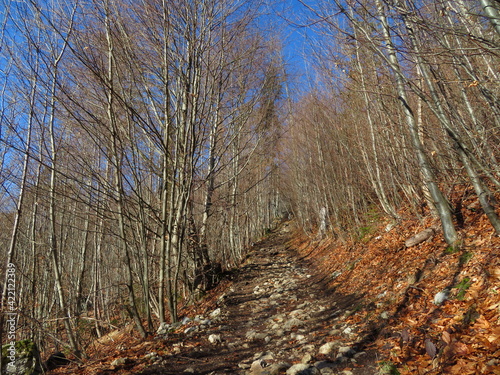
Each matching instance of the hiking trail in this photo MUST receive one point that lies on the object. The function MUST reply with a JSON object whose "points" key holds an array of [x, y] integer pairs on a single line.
{"points": [[276, 317]]}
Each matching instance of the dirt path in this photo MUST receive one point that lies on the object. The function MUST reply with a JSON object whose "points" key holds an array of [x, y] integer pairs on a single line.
{"points": [[276, 318]]}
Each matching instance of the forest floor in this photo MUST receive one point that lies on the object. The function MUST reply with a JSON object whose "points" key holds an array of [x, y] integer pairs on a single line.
{"points": [[307, 306], [276, 312]]}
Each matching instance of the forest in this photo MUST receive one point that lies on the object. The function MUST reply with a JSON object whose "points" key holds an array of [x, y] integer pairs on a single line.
{"points": [[145, 145]]}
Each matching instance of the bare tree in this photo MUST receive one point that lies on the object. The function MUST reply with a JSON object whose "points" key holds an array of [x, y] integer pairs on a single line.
{"points": [[148, 126]]}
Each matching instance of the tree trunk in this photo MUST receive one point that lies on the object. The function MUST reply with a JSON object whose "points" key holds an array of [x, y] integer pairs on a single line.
{"points": [[438, 109], [117, 163], [440, 202], [375, 177], [492, 13]]}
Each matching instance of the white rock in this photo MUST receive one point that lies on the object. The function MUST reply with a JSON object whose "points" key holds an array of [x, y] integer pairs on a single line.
{"points": [[214, 339], [347, 331], [215, 313], [277, 368], [382, 295], [163, 329], [257, 366], [346, 350], [152, 356], [119, 361], [298, 337], [295, 369], [302, 369], [385, 315], [440, 297], [279, 318], [260, 336], [327, 348], [258, 290], [336, 274], [306, 358], [252, 335], [294, 322], [190, 330]]}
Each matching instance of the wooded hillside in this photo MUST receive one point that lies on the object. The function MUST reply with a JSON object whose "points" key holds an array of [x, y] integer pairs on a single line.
{"points": [[144, 146]]}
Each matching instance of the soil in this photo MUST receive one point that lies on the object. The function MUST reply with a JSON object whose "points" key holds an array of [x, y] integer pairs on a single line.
{"points": [[270, 261]]}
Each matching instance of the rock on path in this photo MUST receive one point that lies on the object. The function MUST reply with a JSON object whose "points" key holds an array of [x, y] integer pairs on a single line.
{"points": [[276, 318]]}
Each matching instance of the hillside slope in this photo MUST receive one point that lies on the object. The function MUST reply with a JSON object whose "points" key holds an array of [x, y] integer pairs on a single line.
{"points": [[368, 306], [427, 308]]}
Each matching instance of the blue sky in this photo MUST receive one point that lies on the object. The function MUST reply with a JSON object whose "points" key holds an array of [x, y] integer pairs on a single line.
{"points": [[289, 17]]}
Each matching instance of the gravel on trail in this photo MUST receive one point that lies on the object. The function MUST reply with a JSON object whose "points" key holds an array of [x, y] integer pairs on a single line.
{"points": [[276, 317]]}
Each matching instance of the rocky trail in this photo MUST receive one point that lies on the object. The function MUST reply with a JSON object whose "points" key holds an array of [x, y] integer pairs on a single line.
{"points": [[276, 317]]}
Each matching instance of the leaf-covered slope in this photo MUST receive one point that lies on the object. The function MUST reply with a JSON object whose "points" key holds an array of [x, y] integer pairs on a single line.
{"points": [[429, 308]]}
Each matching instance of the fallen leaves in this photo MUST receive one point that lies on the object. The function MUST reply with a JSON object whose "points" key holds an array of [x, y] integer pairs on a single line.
{"points": [[494, 336], [495, 272], [459, 336], [458, 349], [464, 367], [446, 337]]}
